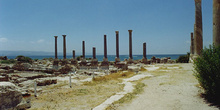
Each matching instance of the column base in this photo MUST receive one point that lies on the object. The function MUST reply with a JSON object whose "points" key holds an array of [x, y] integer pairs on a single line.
{"points": [[83, 62], [130, 61], [117, 60], [74, 62], [64, 62], [94, 62], [105, 62], [56, 62], [144, 60]]}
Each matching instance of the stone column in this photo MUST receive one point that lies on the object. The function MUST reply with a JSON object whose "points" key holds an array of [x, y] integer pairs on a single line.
{"points": [[94, 62], [216, 22], [117, 59], [83, 60], [117, 44], [94, 53], [64, 46], [192, 44], [198, 28], [105, 47], [105, 63], [74, 61], [56, 61], [83, 49], [130, 44], [144, 50], [74, 55], [55, 46], [144, 59]]}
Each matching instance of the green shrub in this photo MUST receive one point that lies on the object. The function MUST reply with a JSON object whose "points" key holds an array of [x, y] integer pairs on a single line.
{"points": [[183, 58], [11, 61], [79, 58], [207, 71], [24, 59]]}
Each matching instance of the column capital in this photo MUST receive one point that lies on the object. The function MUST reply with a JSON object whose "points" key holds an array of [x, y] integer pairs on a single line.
{"points": [[64, 35], [55, 36], [199, 1], [116, 32], [191, 34], [129, 30]]}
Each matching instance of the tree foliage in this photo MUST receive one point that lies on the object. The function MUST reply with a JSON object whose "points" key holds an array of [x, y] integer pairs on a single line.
{"points": [[207, 71], [183, 58]]}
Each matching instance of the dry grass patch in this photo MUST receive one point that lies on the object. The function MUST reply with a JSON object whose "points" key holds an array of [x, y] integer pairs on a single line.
{"points": [[60, 96], [114, 76], [138, 88], [143, 69]]}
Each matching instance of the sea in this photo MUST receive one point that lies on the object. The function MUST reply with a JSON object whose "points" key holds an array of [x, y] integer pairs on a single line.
{"points": [[110, 57]]}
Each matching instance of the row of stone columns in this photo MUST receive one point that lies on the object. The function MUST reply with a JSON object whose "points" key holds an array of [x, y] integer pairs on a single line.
{"points": [[64, 46], [105, 59]]}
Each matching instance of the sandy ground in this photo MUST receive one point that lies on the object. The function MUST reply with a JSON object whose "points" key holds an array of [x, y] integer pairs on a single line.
{"points": [[173, 87], [169, 87]]}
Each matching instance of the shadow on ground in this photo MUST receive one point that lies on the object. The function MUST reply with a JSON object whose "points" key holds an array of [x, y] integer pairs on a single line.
{"points": [[211, 100]]}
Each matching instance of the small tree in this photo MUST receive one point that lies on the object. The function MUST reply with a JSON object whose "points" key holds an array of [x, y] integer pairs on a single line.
{"points": [[207, 71], [183, 58], [24, 59]]}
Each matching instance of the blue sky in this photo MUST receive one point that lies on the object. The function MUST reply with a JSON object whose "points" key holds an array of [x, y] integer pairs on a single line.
{"points": [[165, 25]]}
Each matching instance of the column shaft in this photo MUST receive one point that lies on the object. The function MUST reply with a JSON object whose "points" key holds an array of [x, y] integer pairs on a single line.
{"points": [[130, 44], [64, 46], [192, 44], [83, 49], [144, 50], [74, 54], [117, 44], [198, 28], [55, 46], [94, 53], [105, 47], [216, 22]]}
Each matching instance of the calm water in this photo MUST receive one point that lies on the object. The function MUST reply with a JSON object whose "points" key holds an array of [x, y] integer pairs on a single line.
{"points": [[110, 57]]}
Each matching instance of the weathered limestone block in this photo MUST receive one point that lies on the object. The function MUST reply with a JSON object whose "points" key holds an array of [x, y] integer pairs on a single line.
{"points": [[74, 62], [3, 78], [83, 62], [121, 65], [44, 82], [158, 60], [144, 60], [130, 61], [10, 96], [153, 59], [19, 80], [4, 67], [105, 62], [117, 60], [24, 104], [22, 66], [64, 62], [94, 62]]}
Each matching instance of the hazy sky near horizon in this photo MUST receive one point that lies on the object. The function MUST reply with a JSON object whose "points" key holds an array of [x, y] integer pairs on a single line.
{"points": [[165, 25]]}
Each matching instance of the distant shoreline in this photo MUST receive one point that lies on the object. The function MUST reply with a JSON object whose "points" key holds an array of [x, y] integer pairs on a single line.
{"points": [[100, 57]]}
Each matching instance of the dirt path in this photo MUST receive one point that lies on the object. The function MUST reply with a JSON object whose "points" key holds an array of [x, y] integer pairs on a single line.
{"points": [[173, 87]]}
